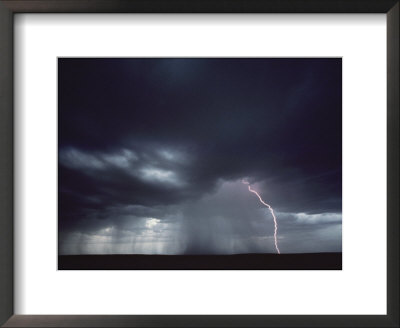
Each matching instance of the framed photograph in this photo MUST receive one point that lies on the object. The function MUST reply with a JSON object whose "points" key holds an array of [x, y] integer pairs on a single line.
{"points": [[156, 181], [199, 164]]}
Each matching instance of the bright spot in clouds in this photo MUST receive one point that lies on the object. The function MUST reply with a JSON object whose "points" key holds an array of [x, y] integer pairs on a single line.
{"points": [[152, 222]]}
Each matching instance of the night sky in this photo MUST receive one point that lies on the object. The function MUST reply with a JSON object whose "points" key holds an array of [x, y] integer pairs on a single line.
{"points": [[152, 153]]}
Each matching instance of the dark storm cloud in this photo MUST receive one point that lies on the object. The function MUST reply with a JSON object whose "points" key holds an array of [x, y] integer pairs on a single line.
{"points": [[165, 133]]}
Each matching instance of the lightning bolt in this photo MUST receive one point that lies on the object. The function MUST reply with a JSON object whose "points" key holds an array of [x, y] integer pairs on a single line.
{"points": [[270, 209]]}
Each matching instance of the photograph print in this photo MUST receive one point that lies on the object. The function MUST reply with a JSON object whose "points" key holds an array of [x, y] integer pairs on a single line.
{"points": [[199, 163]]}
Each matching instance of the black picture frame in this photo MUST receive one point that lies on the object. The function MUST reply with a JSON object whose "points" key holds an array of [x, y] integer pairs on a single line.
{"points": [[10, 7]]}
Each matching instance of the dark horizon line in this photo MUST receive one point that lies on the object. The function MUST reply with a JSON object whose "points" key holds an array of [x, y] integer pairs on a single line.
{"points": [[235, 254], [252, 261]]}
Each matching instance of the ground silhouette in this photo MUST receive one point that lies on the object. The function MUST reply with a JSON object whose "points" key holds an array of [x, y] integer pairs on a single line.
{"points": [[306, 261]]}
